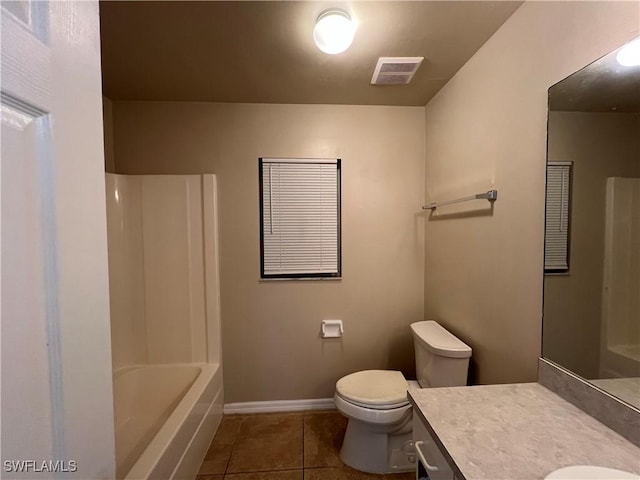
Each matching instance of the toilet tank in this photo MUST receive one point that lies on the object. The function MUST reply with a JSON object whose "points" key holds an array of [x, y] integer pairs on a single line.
{"points": [[442, 359]]}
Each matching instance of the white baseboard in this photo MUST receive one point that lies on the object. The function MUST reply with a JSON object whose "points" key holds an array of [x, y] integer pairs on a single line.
{"points": [[280, 406]]}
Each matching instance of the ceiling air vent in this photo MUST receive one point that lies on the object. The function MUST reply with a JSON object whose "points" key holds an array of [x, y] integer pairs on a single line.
{"points": [[395, 70]]}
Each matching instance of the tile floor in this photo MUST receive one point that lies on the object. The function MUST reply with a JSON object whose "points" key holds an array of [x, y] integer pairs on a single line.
{"points": [[290, 446]]}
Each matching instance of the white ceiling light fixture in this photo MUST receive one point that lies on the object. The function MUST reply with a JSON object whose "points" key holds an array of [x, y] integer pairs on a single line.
{"points": [[629, 55], [334, 31]]}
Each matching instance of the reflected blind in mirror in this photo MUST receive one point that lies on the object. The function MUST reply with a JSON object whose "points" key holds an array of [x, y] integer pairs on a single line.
{"points": [[556, 245]]}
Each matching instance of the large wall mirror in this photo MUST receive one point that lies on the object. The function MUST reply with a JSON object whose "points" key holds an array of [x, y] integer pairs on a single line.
{"points": [[592, 243]]}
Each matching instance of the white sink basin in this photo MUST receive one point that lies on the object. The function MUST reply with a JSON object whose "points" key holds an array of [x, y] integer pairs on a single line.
{"points": [[589, 472]]}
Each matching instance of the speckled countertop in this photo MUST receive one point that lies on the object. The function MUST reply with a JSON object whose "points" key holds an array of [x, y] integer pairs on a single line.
{"points": [[517, 432]]}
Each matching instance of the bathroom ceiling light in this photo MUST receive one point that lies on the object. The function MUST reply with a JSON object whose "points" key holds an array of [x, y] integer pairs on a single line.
{"points": [[629, 55], [334, 31]]}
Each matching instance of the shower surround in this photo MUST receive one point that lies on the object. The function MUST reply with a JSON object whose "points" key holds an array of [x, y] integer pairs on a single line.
{"points": [[165, 322]]}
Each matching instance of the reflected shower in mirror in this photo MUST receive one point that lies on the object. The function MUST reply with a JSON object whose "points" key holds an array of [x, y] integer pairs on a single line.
{"points": [[592, 243]]}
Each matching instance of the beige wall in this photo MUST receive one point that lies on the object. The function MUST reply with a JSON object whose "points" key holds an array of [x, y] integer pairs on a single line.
{"points": [[601, 145], [271, 344], [487, 127], [107, 122]]}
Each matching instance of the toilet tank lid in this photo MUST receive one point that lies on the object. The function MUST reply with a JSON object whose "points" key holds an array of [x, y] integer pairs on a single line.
{"points": [[439, 341]]}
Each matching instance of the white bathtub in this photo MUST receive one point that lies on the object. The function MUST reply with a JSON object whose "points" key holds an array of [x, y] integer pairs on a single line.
{"points": [[620, 361], [165, 417]]}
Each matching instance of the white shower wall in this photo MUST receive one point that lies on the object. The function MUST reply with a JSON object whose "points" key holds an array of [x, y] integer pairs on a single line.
{"points": [[157, 269], [620, 348]]}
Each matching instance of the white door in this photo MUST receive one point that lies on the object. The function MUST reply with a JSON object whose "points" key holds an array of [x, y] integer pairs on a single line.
{"points": [[56, 397]]}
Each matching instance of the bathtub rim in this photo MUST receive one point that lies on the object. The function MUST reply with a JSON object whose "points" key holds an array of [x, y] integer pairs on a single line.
{"points": [[120, 371], [145, 465]]}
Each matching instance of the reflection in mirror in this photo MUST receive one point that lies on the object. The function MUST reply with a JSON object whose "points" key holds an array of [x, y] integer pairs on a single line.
{"points": [[592, 305]]}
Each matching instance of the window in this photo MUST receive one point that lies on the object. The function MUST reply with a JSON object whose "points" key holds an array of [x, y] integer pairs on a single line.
{"points": [[556, 243], [300, 218]]}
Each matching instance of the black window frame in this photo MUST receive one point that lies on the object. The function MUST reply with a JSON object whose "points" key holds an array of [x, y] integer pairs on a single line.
{"points": [[299, 276]]}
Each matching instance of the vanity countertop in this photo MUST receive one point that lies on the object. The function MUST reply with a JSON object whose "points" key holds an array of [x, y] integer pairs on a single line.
{"points": [[517, 432]]}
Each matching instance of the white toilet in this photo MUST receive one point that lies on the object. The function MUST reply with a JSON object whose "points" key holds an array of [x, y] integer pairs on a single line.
{"points": [[378, 436]]}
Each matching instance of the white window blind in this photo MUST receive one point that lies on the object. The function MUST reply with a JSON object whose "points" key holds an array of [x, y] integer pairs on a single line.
{"points": [[300, 217], [556, 245]]}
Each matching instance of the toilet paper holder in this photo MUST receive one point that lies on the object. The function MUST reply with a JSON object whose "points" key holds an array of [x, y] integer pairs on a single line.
{"points": [[331, 329]]}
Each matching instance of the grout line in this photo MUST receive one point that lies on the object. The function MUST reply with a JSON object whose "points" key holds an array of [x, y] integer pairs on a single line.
{"points": [[304, 415], [264, 471], [248, 417], [303, 468], [233, 446]]}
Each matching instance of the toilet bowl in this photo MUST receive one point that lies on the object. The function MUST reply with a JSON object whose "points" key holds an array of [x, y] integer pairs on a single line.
{"points": [[379, 413], [379, 430]]}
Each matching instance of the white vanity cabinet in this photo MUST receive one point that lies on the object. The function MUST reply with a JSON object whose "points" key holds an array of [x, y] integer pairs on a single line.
{"points": [[431, 463]]}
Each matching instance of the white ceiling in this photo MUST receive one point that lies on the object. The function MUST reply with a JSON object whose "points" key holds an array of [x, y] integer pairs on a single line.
{"points": [[263, 51]]}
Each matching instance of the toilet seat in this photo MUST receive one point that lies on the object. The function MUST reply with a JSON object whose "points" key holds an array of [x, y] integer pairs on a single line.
{"points": [[375, 407], [373, 416], [374, 389]]}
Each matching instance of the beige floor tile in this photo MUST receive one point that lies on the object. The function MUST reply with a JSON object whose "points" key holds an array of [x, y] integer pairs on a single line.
{"points": [[216, 459], [228, 430], [268, 442], [270, 447], [323, 435], [275, 475]]}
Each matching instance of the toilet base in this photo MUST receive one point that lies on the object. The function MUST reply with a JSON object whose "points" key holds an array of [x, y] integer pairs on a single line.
{"points": [[377, 450]]}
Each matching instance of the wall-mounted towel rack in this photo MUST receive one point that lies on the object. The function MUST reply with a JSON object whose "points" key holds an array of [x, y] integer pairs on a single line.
{"points": [[491, 195]]}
